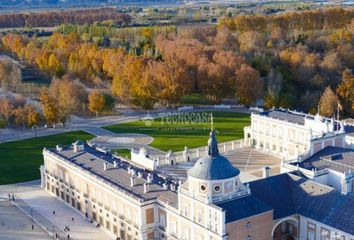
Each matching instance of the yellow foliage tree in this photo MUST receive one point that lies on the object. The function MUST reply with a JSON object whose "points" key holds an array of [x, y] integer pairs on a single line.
{"points": [[96, 102], [328, 103], [50, 108]]}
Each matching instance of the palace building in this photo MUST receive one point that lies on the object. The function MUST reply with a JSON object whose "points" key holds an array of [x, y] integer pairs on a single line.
{"points": [[332, 166], [212, 203], [291, 134]]}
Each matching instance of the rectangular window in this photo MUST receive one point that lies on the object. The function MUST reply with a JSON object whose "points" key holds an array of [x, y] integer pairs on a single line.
{"points": [[311, 231], [325, 234], [162, 220]]}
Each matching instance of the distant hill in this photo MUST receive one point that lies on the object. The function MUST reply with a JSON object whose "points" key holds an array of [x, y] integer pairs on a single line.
{"points": [[5, 4]]}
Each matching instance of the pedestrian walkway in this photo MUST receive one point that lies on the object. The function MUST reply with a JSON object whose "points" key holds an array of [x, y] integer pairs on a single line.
{"points": [[44, 204], [14, 225], [62, 215]]}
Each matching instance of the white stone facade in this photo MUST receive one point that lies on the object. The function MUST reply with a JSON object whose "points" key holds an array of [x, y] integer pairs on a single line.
{"points": [[195, 216], [291, 140]]}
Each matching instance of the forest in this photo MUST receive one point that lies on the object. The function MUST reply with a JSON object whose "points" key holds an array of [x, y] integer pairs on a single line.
{"points": [[55, 18], [291, 60]]}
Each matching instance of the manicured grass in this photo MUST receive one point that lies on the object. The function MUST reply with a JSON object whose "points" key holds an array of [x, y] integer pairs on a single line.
{"points": [[122, 152], [195, 98], [176, 136], [20, 160]]}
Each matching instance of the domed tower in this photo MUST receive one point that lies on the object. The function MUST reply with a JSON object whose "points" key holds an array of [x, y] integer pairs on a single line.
{"points": [[213, 178]]}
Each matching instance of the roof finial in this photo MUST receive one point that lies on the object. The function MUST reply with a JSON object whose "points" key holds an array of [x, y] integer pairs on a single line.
{"points": [[213, 145]]}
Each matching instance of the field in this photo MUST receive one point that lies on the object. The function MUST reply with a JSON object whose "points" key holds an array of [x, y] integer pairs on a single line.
{"points": [[20, 160], [176, 135]]}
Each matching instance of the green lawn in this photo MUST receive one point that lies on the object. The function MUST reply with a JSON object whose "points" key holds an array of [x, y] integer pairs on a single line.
{"points": [[20, 160], [175, 136], [195, 98], [122, 152]]}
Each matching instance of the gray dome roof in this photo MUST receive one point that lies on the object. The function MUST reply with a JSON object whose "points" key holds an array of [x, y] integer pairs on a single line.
{"points": [[213, 166]]}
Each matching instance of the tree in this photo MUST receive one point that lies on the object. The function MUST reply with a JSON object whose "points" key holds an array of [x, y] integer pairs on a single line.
{"points": [[345, 90], [332, 62], [50, 107], [270, 100], [69, 96], [33, 117], [54, 66], [10, 74], [328, 102], [6, 108], [96, 102], [250, 41], [20, 115], [249, 85]]}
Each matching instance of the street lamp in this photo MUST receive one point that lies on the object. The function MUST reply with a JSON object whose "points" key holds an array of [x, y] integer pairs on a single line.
{"points": [[35, 130]]}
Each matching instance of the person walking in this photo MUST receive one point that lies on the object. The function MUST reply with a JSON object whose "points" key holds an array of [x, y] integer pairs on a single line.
{"points": [[32, 227]]}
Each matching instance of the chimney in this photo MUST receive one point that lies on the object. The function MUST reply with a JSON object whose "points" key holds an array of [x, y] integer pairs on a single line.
{"points": [[146, 187], [59, 148], [266, 172], [105, 166], [132, 182], [115, 164], [149, 178]]}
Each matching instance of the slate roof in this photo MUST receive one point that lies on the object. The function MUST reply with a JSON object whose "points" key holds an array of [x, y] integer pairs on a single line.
{"points": [[243, 207], [213, 166], [334, 158], [288, 194], [285, 115], [92, 161]]}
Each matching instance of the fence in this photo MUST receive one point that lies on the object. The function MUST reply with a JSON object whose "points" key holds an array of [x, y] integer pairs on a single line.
{"points": [[191, 154], [43, 222]]}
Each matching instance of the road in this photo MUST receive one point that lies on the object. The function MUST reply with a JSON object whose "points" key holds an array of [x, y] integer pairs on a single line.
{"points": [[93, 125], [76, 123]]}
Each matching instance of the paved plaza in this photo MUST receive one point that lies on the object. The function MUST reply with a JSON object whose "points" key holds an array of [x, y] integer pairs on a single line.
{"points": [[249, 160], [19, 226], [14, 225]]}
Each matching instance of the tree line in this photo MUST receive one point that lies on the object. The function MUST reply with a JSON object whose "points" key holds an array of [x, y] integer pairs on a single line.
{"points": [[310, 20], [285, 69], [55, 18]]}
